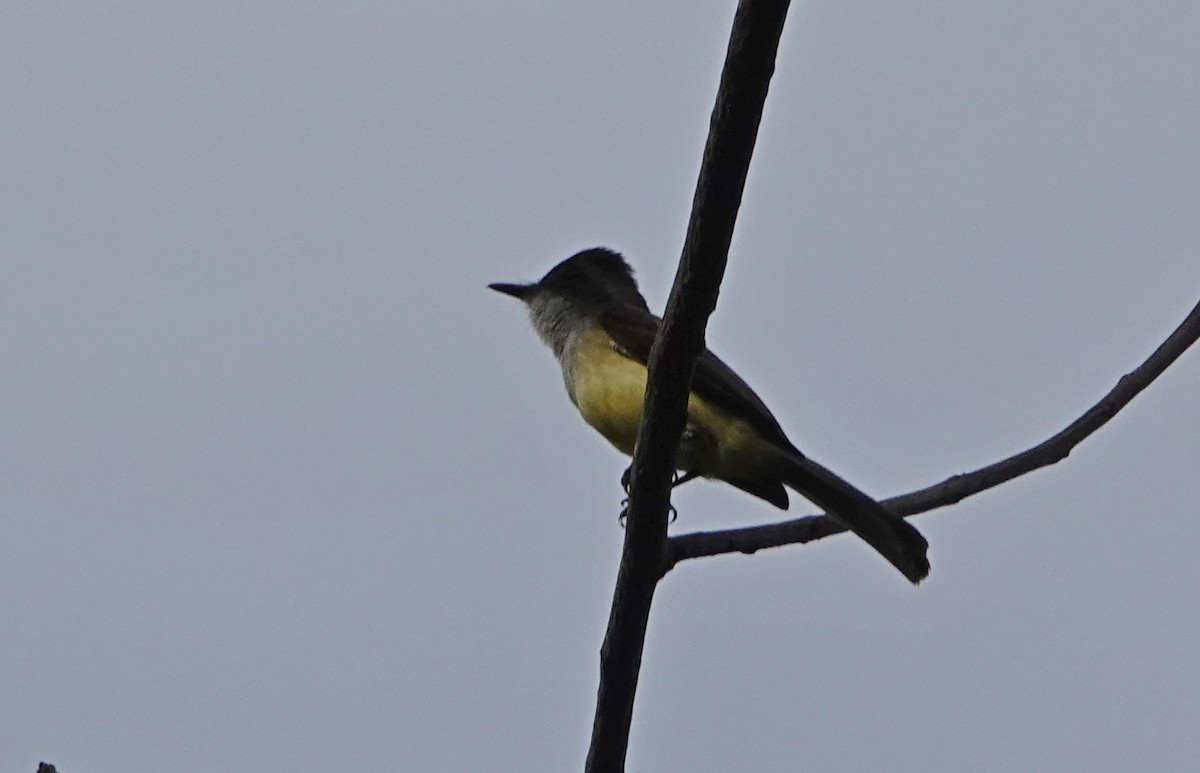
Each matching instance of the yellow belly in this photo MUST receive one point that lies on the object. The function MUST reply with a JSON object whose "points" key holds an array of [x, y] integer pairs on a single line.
{"points": [[609, 389]]}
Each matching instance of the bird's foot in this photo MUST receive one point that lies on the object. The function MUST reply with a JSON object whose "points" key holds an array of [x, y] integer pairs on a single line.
{"points": [[672, 513], [676, 480]]}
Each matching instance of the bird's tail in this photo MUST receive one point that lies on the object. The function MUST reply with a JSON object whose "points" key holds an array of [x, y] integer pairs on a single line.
{"points": [[893, 537]]}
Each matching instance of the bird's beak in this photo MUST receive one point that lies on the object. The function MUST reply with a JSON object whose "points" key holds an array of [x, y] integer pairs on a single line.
{"points": [[520, 292]]}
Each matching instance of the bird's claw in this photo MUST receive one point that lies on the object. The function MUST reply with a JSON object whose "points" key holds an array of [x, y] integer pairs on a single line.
{"points": [[676, 479], [673, 513]]}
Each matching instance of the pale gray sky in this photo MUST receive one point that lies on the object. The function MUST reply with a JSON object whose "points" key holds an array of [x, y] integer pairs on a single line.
{"points": [[285, 488]]}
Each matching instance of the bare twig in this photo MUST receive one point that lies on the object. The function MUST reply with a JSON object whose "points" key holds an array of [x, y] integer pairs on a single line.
{"points": [[749, 64], [955, 488]]}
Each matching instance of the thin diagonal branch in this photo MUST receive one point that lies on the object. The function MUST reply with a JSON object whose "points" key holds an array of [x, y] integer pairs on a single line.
{"points": [[749, 64], [957, 487]]}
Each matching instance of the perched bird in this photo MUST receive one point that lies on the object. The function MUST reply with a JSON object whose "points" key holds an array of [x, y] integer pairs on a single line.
{"points": [[589, 311]]}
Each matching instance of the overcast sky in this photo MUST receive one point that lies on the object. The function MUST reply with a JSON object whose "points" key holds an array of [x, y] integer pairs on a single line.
{"points": [[284, 487]]}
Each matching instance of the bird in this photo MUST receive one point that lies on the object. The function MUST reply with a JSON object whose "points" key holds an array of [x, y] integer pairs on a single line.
{"points": [[589, 311]]}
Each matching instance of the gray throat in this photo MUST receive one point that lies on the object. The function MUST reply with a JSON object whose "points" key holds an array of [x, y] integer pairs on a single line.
{"points": [[559, 323]]}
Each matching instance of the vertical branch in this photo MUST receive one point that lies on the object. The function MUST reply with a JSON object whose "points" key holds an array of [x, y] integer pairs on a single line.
{"points": [[749, 64]]}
